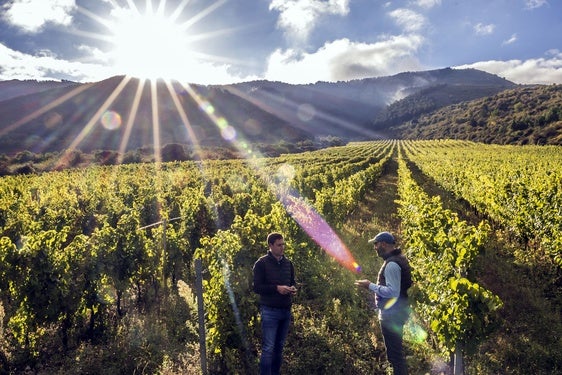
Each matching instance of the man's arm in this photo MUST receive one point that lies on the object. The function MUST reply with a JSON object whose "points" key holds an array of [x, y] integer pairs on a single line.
{"points": [[260, 282], [392, 276]]}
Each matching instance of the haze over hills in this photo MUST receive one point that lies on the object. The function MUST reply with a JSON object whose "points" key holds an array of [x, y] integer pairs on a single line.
{"points": [[125, 114]]}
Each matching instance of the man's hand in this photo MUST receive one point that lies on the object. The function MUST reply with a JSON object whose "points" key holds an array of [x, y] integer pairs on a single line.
{"points": [[284, 289], [363, 283]]}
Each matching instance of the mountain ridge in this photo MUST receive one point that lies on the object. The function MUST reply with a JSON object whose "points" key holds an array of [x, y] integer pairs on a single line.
{"points": [[71, 115]]}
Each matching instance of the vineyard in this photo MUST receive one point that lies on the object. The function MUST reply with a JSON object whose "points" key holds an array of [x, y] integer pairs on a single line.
{"points": [[97, 270]]}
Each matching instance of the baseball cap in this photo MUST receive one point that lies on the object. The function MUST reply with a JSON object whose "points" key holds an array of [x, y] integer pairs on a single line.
{"points": [[383, 237]]}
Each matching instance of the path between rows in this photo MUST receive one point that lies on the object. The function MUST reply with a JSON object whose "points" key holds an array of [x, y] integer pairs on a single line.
{"points": [[377, 212]]}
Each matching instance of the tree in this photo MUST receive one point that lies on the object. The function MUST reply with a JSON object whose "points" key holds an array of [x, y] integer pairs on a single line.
{"points": [[173, 152]]}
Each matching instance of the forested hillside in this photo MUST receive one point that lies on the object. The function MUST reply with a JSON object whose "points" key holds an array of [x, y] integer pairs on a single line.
{"points": [[97, 267], [530, 115], [430, 100]]}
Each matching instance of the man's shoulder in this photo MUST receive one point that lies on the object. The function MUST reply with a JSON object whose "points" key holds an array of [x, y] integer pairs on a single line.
{"points": [[268, 258], [392, 264], [264, 258], [397, 264], [398, 259]]}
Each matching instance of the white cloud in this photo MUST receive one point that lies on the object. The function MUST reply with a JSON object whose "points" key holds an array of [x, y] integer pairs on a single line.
{"points": [[533, 71], [94, 54], [511, 40], [481, 29], [344, 60], [409, 20], [45, 66], [532, 4], [427, 3], [298, 17], [31, 15]]}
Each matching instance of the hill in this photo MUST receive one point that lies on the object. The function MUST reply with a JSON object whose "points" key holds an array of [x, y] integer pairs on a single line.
{"points": [[429, 100], [14, 88], [527, 115], [126, 114]]}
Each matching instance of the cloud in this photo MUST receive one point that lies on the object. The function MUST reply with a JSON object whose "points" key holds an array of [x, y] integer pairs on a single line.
{"points": [[344, 60], [532, 4], [481, 29], [511, 40], [299, 17], [533, 71], [427, 3], [45, 66], [409, 20], [32, 15]]}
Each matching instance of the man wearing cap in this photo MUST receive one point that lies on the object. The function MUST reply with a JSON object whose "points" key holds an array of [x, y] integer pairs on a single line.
{"points": [[391, 297]]}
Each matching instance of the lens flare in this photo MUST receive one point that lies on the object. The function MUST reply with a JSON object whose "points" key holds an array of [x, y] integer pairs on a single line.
{"points": [[319, 230], [413, 332], [111, 120], [228, 133]]}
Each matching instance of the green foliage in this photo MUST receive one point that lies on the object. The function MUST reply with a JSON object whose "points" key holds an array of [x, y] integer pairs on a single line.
{"points": [[443, 249], [516, 187]]}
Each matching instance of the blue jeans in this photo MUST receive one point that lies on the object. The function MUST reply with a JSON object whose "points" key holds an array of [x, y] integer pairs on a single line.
{"points": [[392, 327], [275, 327]]}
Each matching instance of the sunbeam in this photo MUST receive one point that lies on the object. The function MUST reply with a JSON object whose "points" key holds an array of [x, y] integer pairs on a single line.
{"points": [[43, 110], [184, 118], [131, 120], [297, 112], [95, 118], [155, 121]]}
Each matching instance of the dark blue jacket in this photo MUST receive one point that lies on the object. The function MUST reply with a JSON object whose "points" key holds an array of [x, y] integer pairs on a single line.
{"points": [[268, 273]]}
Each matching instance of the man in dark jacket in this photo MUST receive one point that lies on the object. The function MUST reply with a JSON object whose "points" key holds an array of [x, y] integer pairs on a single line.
{"points": [[274, 281], [391, 296]]}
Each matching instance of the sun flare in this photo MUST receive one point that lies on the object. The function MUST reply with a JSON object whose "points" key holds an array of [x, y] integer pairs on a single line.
{"points": [[150, 44]]}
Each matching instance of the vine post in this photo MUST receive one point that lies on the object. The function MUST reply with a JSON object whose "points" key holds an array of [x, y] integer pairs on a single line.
{"points": [[458, 367], [201, 314]]}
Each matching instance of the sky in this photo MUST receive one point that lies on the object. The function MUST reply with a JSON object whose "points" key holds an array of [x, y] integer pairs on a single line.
{"points": [[293, 41]]}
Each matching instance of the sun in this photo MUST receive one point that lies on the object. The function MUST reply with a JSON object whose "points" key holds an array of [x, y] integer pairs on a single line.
{"points": [[150, 44]]}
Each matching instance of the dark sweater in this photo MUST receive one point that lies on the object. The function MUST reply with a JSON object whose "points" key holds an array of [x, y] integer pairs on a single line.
{"points": [[268, 273]]}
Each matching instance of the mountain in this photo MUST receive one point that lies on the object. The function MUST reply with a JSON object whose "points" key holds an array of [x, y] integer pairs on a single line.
{"points": [[125, 114], [105, 114], [355, 108]]}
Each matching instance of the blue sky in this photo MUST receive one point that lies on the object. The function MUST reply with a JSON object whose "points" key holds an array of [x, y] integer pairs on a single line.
{"points": [[294, 41]]}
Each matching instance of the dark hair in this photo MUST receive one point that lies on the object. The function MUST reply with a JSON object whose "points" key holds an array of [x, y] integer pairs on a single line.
{"points": [[272, 237]]}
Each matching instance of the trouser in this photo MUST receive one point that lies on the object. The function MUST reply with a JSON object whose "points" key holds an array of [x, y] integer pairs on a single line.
{"points": [[392, 327], [275, 327]]}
